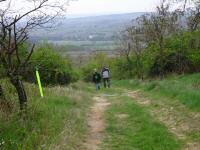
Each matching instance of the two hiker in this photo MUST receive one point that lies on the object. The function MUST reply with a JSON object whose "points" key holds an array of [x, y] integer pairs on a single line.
{"points": [[105, 75]]}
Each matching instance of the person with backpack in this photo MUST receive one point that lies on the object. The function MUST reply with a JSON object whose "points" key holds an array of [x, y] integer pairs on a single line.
{"points": [[106, 76], [97, 79]]}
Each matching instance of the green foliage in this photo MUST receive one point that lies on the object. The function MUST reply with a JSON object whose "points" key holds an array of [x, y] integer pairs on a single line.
{"points": [[2, 71], [53, 68], [23, 53], [195, 60], [60, 111], [97, 62], [121, 69], [177, 62], [181, 55], [186, 45]]}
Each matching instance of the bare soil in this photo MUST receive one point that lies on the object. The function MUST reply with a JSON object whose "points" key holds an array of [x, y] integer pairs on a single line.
{"points": [[96, 124]]}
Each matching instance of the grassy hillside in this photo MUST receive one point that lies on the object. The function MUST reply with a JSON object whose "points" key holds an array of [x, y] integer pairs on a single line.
{"points": [[184, 88], [131, 126], [61, 114], [152, 114]]}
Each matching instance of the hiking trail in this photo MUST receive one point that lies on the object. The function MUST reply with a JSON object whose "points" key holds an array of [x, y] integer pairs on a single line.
{"points": [[96, 123]]}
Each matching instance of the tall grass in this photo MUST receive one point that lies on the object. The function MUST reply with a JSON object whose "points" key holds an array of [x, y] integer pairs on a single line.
{"points": [[62, 109]]}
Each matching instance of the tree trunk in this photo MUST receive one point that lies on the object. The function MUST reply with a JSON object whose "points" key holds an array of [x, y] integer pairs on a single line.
{"points": [[129, 65], [17, 83], [1, 92], [161, 44]]}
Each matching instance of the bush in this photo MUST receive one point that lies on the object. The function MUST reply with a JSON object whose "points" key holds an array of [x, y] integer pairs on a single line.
{"points": [[181, 55], [194, 57], [177, 62], [172, 63], [187, 46], [53, 68], [121, 69], [2, 71], [96, 62], [88, 70]]}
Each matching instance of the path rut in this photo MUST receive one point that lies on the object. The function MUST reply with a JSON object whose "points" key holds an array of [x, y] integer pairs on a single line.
{"points": [[96, 123], [176, 118]]}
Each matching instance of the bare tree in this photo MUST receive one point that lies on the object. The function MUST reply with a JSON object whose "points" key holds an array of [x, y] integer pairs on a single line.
{"points": [[157, 26], [135, 46], [191, 9], [138, 46], [125, 48], [1, 89], [132, 44], [194, 17], [124, 41], [15, 26]]}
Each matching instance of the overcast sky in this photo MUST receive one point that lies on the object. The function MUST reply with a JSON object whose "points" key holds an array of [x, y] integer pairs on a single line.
{"points": [[110, 6], [92, 7]]}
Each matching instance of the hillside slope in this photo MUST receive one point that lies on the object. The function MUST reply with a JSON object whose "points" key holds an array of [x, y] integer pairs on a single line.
{"points": [[132, 114], [97, 28]]}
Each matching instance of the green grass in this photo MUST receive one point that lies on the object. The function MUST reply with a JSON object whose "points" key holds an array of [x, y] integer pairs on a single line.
{"points": [[184, 88], [59, 120], [138, 131], [62, 110]]}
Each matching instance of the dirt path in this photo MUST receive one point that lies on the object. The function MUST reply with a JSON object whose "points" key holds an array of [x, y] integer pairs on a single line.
{"points": [[175, 116], [96, 123]]}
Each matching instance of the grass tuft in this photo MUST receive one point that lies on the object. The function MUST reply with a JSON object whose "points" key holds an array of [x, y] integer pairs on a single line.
{"points": [[138, 131], [57, 119]]}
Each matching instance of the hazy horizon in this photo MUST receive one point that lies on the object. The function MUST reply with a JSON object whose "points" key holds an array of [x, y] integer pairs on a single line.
{"points": [[106, 7], [85, 8], [98, 14]]}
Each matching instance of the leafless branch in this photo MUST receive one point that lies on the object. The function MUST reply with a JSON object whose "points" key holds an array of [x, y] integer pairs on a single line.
{"points": [[15, 27]]}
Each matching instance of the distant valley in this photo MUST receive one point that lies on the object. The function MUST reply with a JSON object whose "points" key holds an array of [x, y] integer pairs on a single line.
{"points": [[85, 34], [96, 28]]}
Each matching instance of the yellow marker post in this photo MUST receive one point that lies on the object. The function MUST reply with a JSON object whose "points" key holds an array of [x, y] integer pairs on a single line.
{"points": [[39, 83]]}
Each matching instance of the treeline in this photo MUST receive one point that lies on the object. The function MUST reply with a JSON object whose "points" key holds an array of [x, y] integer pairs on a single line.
{"points": [[163, 42], [160, 43]]}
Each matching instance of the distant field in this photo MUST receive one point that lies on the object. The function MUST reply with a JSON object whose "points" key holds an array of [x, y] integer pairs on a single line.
{"points": [[77, 49], [89, 45]]}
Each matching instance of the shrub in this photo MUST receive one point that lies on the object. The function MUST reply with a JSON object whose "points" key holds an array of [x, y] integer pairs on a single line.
{"points": [[53, 68], [2, 71], [121, 69], [181, 55], [96, 62], [173, 63]]}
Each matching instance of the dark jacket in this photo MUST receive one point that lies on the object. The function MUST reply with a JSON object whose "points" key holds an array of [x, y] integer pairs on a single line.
{"points": [[96, 77]]}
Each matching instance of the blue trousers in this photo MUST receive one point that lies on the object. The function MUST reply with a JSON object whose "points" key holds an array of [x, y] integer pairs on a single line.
{"points": [[97, 86]]}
